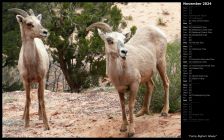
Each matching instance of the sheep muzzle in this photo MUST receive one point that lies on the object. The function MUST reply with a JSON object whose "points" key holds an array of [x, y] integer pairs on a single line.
{"points": [[123, 52]]}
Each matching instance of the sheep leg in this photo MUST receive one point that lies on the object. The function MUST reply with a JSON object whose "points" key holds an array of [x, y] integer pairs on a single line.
{"points": [[27, 105], [162, 71], [134, 89], [124, 117], [107, 65], [42, 105], [39, 109], [147, 99], [24, 84]]}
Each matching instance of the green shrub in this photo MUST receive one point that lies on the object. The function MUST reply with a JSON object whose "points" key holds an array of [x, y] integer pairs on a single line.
{"points": [[82, 62], [123, 24], [161, 22], [133, 30], [128, 18]]}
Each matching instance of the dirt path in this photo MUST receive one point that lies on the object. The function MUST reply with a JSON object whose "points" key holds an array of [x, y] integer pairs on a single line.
{"points": [[93, 114]]}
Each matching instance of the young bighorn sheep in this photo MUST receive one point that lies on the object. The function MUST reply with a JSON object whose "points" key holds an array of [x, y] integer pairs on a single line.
{"points": [[133, 63], [33, 61]]}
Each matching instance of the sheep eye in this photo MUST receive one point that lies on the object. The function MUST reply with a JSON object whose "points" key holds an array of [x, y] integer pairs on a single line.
{"points": [[110, 41], [29, 25]]}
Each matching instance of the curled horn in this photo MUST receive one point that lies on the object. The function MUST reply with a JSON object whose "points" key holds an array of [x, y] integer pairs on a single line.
{"points": [[19, 11], [105, 27], [31, 12]]}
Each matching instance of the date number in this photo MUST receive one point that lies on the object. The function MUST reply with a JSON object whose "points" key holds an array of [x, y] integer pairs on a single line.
{"points": [[207, 3]]}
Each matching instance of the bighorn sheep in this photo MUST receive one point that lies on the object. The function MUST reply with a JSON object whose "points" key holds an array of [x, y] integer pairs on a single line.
{"points": [[133, 63], [33, 61]]}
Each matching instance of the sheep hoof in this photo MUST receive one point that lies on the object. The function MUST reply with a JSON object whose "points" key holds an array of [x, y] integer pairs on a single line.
{"points": [[131, 130], [164, 114], [47, 128], [139, 114], [123, 128], [142, 112], [130, 134]]}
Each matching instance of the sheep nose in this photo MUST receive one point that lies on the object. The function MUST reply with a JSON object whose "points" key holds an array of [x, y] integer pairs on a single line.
{"points": [[124, 51]]}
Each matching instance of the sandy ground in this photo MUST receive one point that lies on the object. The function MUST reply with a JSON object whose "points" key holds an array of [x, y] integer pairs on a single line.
{"points": [[148, 13], [96, 113]]}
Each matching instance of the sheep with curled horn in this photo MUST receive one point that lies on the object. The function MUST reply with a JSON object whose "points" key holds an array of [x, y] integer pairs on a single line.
{"points": [[33, 61], [133, 63]]}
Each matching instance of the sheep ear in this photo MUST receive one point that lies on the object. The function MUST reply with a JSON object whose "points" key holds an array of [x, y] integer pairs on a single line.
{"points": [[101, 34], [127, 36], [19, 18], [39, 17]]}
